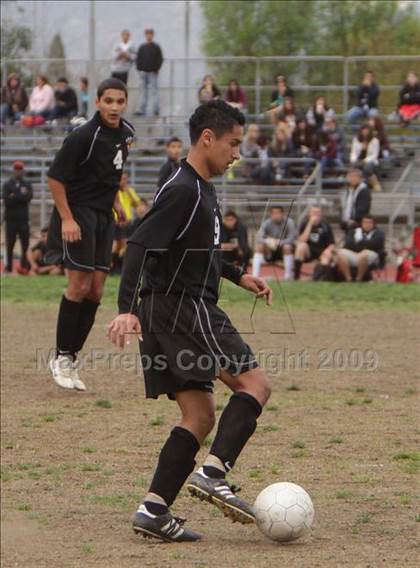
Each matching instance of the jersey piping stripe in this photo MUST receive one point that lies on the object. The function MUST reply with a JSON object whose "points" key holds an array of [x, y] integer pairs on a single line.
{"points": [[128, 125], [193, 212], [166, 183], [215, 340], [202, 329], [66, 252], [102, 267], [91, 146]]}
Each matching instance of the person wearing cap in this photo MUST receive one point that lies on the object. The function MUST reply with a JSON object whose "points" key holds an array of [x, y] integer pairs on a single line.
{"points": [[17, 193], [149, 62]]}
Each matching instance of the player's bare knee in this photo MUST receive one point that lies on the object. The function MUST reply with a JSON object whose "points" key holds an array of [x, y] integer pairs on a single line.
{"points": [[95, 294], [287, 249], [77, 291]]}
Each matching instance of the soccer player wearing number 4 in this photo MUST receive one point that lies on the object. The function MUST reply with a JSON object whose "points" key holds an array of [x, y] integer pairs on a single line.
{"points": [[84, 179], [175, 255]]}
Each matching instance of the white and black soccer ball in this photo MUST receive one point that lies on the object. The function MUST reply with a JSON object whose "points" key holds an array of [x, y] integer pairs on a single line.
{"points": [[284, 511]]}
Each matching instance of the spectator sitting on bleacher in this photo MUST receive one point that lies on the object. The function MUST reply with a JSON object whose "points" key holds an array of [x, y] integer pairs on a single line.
{"points": [[251, 149], [355, 202], [236, 96], [275, 241], [288, 113], [364, 153], [280, 147], [318, 113], [41, 101], [304, 141], [409, 105], [337, 133], [326, 151], [65, 101], [367, 99], [14, 99], [173, 152], [83, 96], [37, 257], [363, 250], [234, 240], [277, 98], [315, 241], [208, 91], [378, 129]]}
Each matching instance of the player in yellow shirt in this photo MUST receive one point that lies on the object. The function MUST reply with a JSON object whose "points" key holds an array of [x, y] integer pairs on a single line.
{"points": [[130, 208]]}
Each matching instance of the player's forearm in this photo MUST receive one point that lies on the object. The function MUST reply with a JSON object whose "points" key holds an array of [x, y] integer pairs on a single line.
{"points": [[58, 191], [303, 238], [131, 278], [231, 272]]}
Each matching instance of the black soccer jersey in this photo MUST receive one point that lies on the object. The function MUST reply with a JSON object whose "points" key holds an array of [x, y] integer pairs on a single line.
{"points": [[182, 236], [90, 163], [320, 237]]}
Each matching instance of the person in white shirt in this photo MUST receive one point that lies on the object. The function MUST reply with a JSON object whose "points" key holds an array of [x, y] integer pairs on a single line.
{"points": [[123, 55], [364, 153], [41, 101]]}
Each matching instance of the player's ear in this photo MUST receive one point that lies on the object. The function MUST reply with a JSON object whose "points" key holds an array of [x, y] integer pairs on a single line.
{"points": [[207, 137], [97, 102]]}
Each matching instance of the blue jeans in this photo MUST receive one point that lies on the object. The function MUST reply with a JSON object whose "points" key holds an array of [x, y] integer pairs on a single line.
{"points": [[7, 112], [149, 87], [357, 112]]}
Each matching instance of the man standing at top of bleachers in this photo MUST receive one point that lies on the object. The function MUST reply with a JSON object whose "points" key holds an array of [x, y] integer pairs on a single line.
{"points": [[149, 62], [123, 56]]}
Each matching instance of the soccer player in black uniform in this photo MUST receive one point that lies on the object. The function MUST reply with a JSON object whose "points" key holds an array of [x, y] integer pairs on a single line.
{"points": [[175, 258], [315, 241], [84, 179]]}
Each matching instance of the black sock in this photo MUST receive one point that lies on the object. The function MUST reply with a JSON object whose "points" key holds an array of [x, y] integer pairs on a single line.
{"points": [[67, 326], [87, 314], [155, 508], [298, 266], [214, 472], [176, 462], [236, 426]]}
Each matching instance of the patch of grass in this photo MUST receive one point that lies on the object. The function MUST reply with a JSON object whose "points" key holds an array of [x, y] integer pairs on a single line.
{"points": [[269, 428], [344, 494], [108, 472], [298, 444], [220, 406], [90, 467], [366, 478], [215, 512], [88, 450], [272, 407], [417, 518], [352, 402], [408, 461], [274, 470], [208, 442], [158, 421], [360, 389], [103, 403], [57, 471], [49, 418], [24, 507], [123, 501], [293, 387], [337, 440], [34, 474], [140, 482], [301, 454], [365, 518], [405, 499], [88, 548], [410, 391], [367, 400], [255, 473]]}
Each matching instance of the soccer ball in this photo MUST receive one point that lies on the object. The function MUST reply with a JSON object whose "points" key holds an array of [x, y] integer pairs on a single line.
{"points": [[283, 511]]}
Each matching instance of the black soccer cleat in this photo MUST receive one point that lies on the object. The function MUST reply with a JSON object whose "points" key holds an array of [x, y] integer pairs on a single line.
{"points": [[219, 492], [164, 527]]}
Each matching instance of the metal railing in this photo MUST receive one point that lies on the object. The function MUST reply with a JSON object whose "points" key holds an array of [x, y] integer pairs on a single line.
{"points": [[177, 88]]}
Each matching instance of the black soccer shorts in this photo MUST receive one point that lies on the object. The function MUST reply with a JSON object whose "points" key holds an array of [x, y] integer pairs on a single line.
{"points": [[186, 343], [93, 251]]}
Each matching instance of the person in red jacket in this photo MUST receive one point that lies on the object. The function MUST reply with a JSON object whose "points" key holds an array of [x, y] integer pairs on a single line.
{"points": [[409, 105]]}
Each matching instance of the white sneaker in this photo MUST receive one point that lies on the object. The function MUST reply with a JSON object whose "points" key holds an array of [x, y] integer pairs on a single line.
{"points": [[62, 371], [78, 384]]}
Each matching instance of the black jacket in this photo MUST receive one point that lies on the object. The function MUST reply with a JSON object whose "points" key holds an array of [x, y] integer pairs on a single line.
{"points": [[69, 99], [368, 96], [410, 95], [17, 194], [374, 240], [361, 205], [149, 57]]}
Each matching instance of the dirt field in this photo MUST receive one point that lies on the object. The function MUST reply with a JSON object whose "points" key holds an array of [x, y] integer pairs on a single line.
{"points": [[74, 466]]}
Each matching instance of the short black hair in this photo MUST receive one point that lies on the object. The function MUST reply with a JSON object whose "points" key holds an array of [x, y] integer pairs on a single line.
{"points": [[111, 83], [217, 116], [230, 213], [62, 80], [368, 217], [277, 207], [173, 139], [84, 80]]}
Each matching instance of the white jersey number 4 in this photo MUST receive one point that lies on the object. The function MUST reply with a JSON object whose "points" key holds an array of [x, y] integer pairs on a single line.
{"points": [[118, 160]]}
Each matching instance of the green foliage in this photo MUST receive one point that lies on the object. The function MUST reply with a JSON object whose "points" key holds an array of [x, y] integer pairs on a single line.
{"points": [[56, 69]]}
